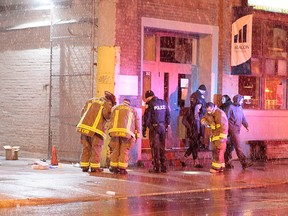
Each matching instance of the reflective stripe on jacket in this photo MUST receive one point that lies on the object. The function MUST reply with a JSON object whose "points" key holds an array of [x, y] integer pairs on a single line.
{"points": [[93, 119], [221, 125], [124, 122], [218, 123]]}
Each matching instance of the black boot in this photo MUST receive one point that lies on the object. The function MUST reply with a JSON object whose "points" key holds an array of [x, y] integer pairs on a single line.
{"points": [[97, 170], [154, 170], [183, 160], [246, 165], [163, 169], [85, 169], [123, 172], [197, 164], [114, 170], [229, 165]]}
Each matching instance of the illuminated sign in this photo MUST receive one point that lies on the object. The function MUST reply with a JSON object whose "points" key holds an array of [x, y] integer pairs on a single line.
{"points": [[278, 6]]}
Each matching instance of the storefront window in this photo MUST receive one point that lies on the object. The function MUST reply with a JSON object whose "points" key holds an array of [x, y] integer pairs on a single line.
{"points": [[266, 87], [274, 93], [249, 87], [275, 38]]}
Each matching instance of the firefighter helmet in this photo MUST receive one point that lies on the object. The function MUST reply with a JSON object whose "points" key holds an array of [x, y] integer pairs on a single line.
{"points": [[110, 96]]}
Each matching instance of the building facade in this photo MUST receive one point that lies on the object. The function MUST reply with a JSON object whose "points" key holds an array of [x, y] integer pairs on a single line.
{"points": [[128, 47]]}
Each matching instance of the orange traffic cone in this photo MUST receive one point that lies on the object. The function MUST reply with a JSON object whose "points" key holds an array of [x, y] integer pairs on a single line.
{"points": [[54, 160]]}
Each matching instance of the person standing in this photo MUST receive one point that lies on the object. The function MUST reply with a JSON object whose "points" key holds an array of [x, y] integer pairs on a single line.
{"points": [[236, 119], [94, 115], [191, 120], [216, 119], [123, 129], [157, 119], [225, 103]]}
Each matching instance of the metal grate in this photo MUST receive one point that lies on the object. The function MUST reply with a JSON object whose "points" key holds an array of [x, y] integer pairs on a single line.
{"points": [[70, 74]]}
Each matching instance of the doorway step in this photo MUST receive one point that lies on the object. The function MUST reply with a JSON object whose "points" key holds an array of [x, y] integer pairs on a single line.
{"points": [[173, 157]]}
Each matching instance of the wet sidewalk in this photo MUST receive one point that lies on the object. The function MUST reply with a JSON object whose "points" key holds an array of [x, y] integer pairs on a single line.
{"points": [[22, 185]]}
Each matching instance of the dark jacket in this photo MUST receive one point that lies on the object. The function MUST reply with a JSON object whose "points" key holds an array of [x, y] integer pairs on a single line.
{"points": [[197, 98], [156, 112], [227, 103]]}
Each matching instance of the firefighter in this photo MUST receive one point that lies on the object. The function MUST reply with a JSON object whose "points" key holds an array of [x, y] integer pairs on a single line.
{"points": [[216, 119], [124, 130], [95, 114], [191, 120], [236, 119], [157, 119]]}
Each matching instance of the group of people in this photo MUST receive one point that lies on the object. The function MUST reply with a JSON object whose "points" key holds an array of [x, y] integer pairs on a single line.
{"points": [[224, 122], [121, 123]]}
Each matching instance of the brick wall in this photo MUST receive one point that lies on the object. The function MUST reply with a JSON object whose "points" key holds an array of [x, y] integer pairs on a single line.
{"points": [[25, 80], [24, 86], [128, 23]]}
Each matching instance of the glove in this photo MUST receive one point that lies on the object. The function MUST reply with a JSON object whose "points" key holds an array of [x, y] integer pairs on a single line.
{"points": [[144, 133], [205, 123]]}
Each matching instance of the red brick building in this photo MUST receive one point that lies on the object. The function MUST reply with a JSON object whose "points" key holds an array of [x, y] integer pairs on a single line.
{"points": [[50, 68]]}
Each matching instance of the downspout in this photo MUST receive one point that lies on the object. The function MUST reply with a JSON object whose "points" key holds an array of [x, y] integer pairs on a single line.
{"points": [[92, 50]]}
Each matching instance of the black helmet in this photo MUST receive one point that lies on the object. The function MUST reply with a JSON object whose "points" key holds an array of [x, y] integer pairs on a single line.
{"points": [[149, 93], [110, 96]]}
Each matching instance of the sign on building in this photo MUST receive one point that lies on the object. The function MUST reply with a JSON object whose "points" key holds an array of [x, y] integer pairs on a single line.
{"points": [[241, 42]]}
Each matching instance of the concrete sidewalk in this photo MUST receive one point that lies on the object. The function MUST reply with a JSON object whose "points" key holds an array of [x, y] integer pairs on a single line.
{"points": [[23, 185]]}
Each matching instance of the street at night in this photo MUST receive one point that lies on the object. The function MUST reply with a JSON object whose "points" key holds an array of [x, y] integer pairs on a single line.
{"points": [[259, 190], [143, 107], [270, 200]]}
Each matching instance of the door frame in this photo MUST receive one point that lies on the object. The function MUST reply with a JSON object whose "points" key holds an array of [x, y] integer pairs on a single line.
{"points": [[205, 31]]}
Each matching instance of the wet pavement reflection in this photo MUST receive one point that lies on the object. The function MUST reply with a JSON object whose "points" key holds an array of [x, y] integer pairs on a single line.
{"points": [[259, 190], [271, 200]]}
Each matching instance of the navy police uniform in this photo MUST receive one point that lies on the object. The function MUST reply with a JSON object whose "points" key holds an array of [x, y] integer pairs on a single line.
{"points": [[157, 119]]}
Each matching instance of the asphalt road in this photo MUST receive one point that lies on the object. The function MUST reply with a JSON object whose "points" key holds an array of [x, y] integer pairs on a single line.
{"points": [[65, 190], [272, 200]]}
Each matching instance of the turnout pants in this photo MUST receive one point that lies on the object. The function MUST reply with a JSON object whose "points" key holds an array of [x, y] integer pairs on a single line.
{"points": [[218, 150], [91, 151], [120, 147]]}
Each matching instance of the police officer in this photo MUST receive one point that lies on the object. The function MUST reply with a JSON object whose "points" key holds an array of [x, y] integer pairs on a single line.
{"points": [[94, 115], [157, 119], [191, 120], [123, 129]]}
